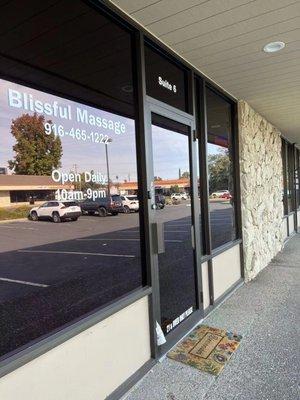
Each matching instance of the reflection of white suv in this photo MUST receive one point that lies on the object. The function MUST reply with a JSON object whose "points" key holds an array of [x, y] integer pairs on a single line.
{"points": [[130, 203], [179, 196], [56, 211]]}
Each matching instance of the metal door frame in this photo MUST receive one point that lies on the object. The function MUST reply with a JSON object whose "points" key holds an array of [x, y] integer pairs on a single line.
{"points": [[154, 106]]}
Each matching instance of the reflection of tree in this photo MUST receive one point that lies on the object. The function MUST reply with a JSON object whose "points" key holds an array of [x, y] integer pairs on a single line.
{"points": [[185, 174], [219, 168], [174, 189], [36, 152]]}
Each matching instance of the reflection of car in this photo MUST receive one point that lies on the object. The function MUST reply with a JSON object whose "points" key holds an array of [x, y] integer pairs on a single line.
{"points": [[226, 196], [130, 203], [220, 194], [56, 211], [102, 206], [160, 201], [179, 196]]}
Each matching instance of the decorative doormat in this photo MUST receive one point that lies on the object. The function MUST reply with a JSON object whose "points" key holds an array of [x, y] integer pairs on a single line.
{"points": [[207, 349]]}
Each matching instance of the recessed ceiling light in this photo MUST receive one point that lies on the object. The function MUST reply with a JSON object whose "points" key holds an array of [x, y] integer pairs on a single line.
{"points": [[273, 47], [127, 88]]}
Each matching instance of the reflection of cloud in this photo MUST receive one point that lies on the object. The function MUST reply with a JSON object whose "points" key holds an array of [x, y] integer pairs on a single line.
{"points": [[85, 154]]}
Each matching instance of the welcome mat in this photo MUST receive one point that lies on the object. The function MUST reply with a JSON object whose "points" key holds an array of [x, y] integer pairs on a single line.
{"points": [[207, 349]]}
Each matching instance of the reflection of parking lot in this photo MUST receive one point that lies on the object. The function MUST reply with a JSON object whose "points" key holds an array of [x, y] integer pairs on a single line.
{"points": [[222, 222], [41, 254], [51, 273]]}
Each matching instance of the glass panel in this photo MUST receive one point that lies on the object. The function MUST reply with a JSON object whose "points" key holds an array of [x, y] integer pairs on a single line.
{"points": [[290, 177], [173, 209], [165, 81], [297, 171], [67, 260], [284, 176], [220, 170], [76, 44]]}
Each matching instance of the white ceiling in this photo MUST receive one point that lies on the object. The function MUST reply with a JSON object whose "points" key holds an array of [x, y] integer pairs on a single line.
{"points": [[224, 40]]}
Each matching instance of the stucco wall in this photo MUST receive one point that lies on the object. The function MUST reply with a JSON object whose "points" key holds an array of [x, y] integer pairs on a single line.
{"points": [[226, 270], [4, 198], [261, 189]]}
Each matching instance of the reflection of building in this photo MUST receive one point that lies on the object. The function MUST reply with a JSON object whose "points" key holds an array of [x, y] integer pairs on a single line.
{"points": [[22, 188], [162, 186]]}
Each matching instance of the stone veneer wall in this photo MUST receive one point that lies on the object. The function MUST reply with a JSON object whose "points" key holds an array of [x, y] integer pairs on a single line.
{"points": [[261, 189]]}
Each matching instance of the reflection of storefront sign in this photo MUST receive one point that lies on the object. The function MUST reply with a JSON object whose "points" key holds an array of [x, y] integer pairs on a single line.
{"points": [[79, 195], [179, 319], [167, 85], [85, 177]]}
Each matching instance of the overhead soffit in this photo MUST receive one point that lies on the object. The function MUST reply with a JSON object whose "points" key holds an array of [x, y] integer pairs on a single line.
{"points": [[224, 40]]}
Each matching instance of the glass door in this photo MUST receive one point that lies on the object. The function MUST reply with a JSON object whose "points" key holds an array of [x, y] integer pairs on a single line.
{"points": [[172, 220]]}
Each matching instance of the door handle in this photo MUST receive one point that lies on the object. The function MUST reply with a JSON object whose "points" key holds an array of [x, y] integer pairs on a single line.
{"points": [[193, 237], [158, 237]]}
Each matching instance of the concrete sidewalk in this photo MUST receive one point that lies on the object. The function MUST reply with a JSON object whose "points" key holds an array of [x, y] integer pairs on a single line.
{"points": [[267, 364]]}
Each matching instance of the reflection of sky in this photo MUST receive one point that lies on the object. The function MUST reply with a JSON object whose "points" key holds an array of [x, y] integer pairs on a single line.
{"points": [[170, 153], [85, 154], [214, 149]]}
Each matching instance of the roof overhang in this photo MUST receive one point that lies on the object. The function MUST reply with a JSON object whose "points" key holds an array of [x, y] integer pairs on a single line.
{"points": [[225, 40]]}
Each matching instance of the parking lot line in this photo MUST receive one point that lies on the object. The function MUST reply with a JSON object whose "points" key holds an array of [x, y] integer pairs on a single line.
{"points": [[24, 282], [129, 231], [76, 253], [171, 224], [165, 231], [177, 231], [17, 227], [123, 239]]}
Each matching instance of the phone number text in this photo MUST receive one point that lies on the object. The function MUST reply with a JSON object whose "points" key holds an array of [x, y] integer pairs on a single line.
{"points": [[76, 134]]}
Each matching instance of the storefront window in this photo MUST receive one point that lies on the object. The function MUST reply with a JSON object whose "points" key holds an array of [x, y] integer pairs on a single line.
{"points": [[64, 165], [297, 175], [67, 155], [290, 177], [220, 169], [284, 176]]}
